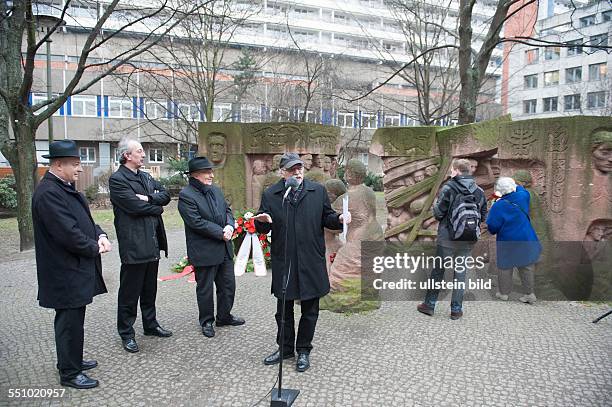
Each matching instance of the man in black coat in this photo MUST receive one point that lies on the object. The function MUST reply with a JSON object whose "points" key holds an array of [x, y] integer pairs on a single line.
{"points": [[209, 225], [298, 245], [68, 247], [138, 202]]}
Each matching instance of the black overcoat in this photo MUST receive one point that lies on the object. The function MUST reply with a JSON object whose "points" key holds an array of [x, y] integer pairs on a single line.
{"points": [[301, 237], [68, 262], [139, 225], [204, 237]]}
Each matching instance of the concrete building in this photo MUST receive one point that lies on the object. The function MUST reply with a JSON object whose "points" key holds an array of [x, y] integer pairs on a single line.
{"points": [[564, 80], [361, 39]]}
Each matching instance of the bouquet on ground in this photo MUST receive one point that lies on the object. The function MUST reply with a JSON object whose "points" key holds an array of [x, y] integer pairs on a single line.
{"points": [[246, 237], [182, 268]]}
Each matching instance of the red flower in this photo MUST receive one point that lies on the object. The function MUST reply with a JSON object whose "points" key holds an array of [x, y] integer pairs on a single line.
{"points": [[240, 221], [267, 254], [262, 237], [264, 245], [251, 229], [239, 229]]}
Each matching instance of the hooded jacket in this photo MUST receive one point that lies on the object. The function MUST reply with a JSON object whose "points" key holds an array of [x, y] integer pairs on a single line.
{"points": [[466, 184]]}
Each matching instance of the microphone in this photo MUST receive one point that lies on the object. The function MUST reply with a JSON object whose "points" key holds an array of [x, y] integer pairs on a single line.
{"points": [[292, 184]]}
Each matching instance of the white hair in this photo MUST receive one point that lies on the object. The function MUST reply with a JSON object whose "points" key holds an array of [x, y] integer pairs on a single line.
{"points": [[124, 147], [505, 185]]}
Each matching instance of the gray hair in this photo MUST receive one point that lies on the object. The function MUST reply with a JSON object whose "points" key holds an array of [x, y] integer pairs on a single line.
{"points": [[124, 148], [505, 185]]}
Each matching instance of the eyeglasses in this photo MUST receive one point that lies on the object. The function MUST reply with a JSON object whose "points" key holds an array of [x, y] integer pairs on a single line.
{"points": [[295, 168]]}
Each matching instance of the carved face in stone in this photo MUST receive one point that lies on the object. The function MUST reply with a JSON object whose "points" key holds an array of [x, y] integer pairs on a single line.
{"points": [[431, 170], [327, 162], [276, 161], [269, 163], [259, 167], [602, 156], [307, 158], [334, 188], [419, 176], [216, 147], [317, 161], [355, 172], [473, 165], [397, 212]]}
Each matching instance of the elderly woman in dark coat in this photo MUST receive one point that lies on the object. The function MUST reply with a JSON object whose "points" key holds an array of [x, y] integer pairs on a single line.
{"points": [[518, 245]]}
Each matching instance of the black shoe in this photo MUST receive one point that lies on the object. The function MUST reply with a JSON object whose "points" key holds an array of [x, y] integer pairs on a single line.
{"points": [[130, 345], [208, 330], [82, 381], [425, 309], [233, 321], [88, 364], [159, 331], [303, 362], [455, 315], [274, 358]]}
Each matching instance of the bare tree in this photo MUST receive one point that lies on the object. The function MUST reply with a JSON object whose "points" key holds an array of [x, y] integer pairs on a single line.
{"points": [[19, 45], [433, 75]]}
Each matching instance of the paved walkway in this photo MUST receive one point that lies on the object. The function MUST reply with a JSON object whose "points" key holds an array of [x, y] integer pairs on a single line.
{"points": [[499, 354]]}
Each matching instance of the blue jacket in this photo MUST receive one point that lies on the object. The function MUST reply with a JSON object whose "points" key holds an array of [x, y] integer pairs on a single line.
{"points": [[517, 241]]}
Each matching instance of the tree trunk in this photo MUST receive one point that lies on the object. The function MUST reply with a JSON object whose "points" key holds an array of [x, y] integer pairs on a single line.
{"points": [[468, 98], [23, 163]]}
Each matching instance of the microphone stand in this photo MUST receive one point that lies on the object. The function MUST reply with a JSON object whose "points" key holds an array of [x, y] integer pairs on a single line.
{"points": [[283, 397]]}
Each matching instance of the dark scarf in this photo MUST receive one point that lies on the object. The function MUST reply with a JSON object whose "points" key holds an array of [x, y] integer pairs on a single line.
{"points": [[295, 195], [207, 191]]}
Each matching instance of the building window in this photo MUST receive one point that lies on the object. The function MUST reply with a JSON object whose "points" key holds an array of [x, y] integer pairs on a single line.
{"points": [[575, 48], [189, 111], [345, 119], [155, 109], [363, 157], [607, 16], [596, 100], [392, 121], [596, 41], [550, 104], [87, 154], [250, 114], [551, 78], [531, 81], [368, 120], [552, 53], [42, 97], [587, 21], [222, 112], [311, 117], [532, 56], [279, 114], [156, 155], [529, 106], [572, 102], [83, 105], [119, 107], [598, 72], [573, 75]]}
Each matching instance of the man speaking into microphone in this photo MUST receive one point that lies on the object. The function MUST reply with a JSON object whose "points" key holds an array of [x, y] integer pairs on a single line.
{"points": [[296, 210]]}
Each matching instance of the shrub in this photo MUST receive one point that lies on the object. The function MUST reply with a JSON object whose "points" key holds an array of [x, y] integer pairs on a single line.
{"points": [[8, 193], [374, 181], [91, 192]]}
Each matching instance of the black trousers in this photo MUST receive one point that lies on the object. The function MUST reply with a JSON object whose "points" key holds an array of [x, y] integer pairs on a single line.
{"points": [[306, 328], [222, 275], [137, 281], [69, 336]]}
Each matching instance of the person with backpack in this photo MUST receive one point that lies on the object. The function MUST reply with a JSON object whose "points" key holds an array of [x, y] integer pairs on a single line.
{"points": [[517, 242], [460, 208]]}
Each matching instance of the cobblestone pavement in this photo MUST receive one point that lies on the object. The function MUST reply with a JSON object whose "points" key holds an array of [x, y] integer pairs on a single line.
{"points": [[499, 354]]}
